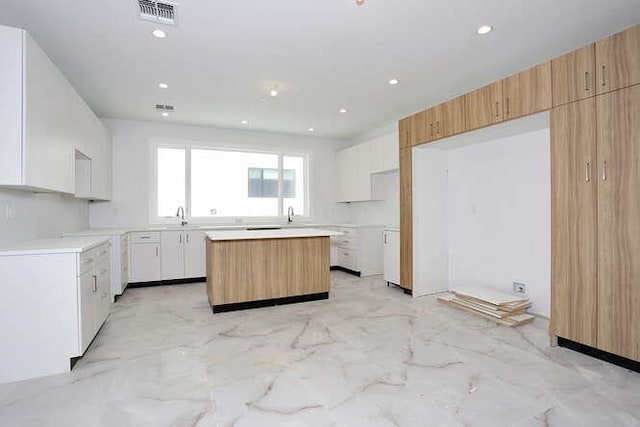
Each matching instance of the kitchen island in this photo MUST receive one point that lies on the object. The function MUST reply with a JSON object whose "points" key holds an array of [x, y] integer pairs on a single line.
{"points": [[259, 268]]}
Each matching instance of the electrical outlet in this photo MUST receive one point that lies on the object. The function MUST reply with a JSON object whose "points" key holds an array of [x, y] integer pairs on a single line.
{"points": [[519, 288]]}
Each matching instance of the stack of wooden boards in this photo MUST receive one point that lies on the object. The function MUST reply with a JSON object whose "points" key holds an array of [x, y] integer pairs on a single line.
{"points": [[502, 308]]}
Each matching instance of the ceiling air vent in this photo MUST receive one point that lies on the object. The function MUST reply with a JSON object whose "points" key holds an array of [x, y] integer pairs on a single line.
{"points": [[163, 107], [158, 11]]}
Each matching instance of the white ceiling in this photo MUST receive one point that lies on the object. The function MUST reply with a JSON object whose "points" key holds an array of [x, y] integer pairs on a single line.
{"points": [[223, 56]]}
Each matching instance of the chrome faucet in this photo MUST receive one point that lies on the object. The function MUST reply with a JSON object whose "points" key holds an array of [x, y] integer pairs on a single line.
{"points": [[180, 214], [290, 215]]}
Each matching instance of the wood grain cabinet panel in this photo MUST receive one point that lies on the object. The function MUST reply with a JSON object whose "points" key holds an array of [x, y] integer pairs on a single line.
{"points": [[573, 222], [420, 129], [450, 118], [618, 60], [573, 75], [484, 106], [406, 220], [404, 132], [527, 92], [619, 222]]}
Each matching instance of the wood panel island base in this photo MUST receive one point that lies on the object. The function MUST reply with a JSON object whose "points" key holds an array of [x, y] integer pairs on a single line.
{"points": [[259, 268]]}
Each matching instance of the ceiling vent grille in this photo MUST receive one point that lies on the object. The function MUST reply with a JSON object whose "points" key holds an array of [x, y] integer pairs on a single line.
{"points": [[163, 107], [158, 11]]}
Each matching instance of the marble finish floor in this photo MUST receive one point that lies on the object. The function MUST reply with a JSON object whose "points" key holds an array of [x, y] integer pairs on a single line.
{"points": [[369, 356]]}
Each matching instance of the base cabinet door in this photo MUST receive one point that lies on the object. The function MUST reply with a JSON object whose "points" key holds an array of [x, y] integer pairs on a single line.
{"points": [[574, 183], [172, 255], [194, 254], [87, 288], [619, 222], [145, 262], [392, 256]]}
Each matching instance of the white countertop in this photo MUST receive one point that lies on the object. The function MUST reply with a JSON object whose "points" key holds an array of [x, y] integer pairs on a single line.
{"points": [[99, 232], [283, 233], [54, 246]]}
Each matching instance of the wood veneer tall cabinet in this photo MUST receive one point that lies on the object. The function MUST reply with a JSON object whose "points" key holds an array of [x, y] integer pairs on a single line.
{"points": [[596, 222], [619, 222], [573, 222], [527, 92], [618, 60], [406, 220]]}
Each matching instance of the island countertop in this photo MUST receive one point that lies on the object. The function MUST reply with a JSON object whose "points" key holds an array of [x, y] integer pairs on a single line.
{"points": [[282, 233]]}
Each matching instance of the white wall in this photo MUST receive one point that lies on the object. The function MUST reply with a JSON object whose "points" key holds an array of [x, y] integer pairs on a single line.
{"points": [[132, 167], [500, 216], [431, 213], [385, 209], [39, 216]]}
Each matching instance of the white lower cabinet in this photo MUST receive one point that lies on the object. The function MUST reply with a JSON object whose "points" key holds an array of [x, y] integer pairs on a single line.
{"points": [[172, 259], [183, 254], [167, 255], [54, 301], [195, 258], [391, 242], [359, 249], [144, 257], [94, 288]]}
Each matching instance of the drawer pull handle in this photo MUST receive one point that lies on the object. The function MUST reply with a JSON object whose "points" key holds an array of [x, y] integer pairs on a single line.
{"points": [[145, 237]]}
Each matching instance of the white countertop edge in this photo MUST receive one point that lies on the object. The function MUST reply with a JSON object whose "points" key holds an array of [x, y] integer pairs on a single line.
{"points": [[55, 246], [283, 233]]}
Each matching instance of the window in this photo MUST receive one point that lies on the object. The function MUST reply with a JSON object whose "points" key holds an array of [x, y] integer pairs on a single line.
{"points": [[264, 182], [218, 183]]}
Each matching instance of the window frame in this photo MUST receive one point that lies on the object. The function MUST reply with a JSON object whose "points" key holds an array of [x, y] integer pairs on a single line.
{"points": [[188, 146]]}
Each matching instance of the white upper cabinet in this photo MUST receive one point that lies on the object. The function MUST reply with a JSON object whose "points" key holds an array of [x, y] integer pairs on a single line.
{"points": [[356, 164], [43, 121]]}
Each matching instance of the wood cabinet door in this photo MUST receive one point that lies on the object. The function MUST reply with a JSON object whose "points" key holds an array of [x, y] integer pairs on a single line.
{"points": [[573, 75], [573, 222], [527, 92], [484, 106], [618, 60], [451, 118], [406, 220], [619, 222], [421, 127]]}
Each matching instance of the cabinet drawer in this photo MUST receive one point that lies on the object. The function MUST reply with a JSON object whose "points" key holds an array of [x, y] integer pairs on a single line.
{"points": [[348, 231], [347, 242], [145, 237], [348, 258], [91, 258]]}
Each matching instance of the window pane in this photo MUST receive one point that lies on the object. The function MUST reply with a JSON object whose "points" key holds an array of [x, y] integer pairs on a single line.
{"points": [[171, 176], [219, 183], [293, 185]]}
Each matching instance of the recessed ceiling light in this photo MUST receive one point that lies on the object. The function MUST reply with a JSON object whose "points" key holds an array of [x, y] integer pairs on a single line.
{"points": [[159, 34], [163, 85], [165, 114], [485, 29], [312, 130], [273, 93], [343, 110], [244, 122], [394, 81]]}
